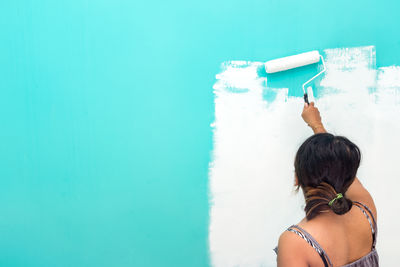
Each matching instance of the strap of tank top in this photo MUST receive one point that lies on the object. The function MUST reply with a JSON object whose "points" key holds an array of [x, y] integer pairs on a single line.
{"points": [[372, 222], [310, 240]]}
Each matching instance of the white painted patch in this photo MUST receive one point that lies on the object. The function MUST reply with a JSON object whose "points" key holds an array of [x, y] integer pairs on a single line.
{"points": [[252, 173]]}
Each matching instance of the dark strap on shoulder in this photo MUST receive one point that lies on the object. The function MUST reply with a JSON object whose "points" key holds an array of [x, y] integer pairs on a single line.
{"points": [[310, 240], [368, 213]]}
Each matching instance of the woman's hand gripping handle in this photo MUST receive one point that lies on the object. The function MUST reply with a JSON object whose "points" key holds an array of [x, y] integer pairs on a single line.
{"points": [[312, 117]]}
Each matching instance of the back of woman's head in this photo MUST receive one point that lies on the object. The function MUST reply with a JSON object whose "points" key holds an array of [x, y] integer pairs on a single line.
{"points": [[326, 165]]}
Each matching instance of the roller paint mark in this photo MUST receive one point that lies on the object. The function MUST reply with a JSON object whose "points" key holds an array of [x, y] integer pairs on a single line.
{"points": [[258, 131]]}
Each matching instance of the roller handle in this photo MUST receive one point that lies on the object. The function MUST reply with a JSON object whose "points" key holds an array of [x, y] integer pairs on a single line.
{"points": [[306, 98]]}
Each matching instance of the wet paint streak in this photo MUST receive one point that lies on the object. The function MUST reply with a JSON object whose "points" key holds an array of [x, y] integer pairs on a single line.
{"points": [[256, 135]]}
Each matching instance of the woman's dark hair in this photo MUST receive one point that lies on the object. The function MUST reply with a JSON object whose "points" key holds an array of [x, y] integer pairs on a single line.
{"points": [[326, 165]]}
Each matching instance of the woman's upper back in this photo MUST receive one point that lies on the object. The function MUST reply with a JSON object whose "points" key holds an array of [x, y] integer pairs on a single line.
{"points": [[343, 239]]}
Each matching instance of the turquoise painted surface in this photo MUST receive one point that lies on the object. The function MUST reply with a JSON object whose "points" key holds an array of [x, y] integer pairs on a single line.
{"points": [[105, 113]]}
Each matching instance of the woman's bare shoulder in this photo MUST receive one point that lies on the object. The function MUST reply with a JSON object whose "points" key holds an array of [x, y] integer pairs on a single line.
{"points": [[291, 250], [357, 192]]}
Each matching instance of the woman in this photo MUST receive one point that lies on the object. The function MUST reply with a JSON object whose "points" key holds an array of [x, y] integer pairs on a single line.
{"points": [[340, 224]]}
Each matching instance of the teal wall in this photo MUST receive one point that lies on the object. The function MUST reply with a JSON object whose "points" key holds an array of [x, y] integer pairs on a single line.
{"points": [[105, 116]]}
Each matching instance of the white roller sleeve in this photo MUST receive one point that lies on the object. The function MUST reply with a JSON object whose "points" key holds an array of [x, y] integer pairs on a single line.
{"points": [[291, 62]]}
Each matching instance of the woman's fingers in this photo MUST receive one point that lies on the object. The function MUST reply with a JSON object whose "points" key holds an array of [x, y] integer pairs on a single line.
{"points": [[312, 104]]}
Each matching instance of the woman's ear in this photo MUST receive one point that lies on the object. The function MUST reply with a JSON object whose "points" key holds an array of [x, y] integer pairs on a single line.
{"points": [[296, 180]]}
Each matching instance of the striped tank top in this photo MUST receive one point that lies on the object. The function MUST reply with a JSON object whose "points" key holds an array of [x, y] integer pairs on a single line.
{"points": [[369, 260]]}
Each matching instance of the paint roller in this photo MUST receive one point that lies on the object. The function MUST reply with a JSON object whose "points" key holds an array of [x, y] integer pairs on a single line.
{"points": [[291, 62]]}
